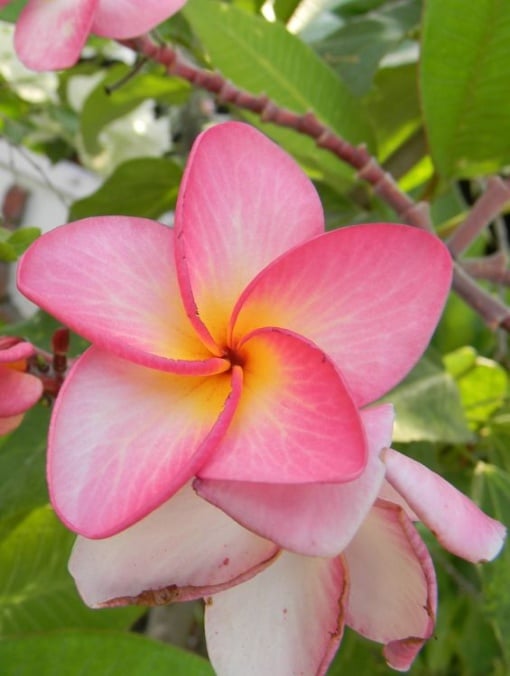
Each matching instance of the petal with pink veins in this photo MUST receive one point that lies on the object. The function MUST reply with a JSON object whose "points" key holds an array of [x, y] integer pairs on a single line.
{"points": [[459, 525], [185, 549], [295, 423], [370, 296], [129, 18], [18, 391], [287, 620], [393, 590], [313, 519], [112, 279], [242, 202], [50, 35], [124, 438]]}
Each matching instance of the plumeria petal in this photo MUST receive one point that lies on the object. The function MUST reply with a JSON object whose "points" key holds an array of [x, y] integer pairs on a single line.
{"points": [[295, 422], [314, 519], [124, 438], [185, 549], [242, 202], [112, 279], [9, 424], [18, 391], [393, 591], [369, 296], [459, 525], [13, 350], [50, 35], [287, 620], [129, 18]]}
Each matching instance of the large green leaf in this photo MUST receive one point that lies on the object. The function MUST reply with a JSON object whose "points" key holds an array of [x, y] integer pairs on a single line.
{"points": [[464, 83], [102, 107], [22, 465], [355, 49], [264, 58], [428, 406], [145, 187], [492, 490], [75, 653], [482, 383], [36, 591]]}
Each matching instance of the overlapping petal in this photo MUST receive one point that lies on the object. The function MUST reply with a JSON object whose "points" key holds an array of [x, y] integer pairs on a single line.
{"points": [[369, 296], [242, 202], [14, 350], [129, 18], [314, 519], [112, 279], [459, 525], [295, 423], [50, 35], [124, 438], [392, 597], [185, 549], [287, 620], [18, 391]]}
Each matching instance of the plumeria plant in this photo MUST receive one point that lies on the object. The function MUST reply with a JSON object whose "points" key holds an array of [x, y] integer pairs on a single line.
{"points": [[273, 409]]}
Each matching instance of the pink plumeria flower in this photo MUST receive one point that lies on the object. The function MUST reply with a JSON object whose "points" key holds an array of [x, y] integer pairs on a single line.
{"points": [[19, 390], [270, 611], [236, 347], [50, 34]]}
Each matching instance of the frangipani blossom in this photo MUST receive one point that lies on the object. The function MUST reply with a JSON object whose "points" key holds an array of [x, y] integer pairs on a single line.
{"points": [[19, 390], [279, 612], [236, 347], [50, 34]]}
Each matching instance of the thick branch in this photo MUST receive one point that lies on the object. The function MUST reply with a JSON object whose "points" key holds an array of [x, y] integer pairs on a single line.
{"points": [[485, 209]]}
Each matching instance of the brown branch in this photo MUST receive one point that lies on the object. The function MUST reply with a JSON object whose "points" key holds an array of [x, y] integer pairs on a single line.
{"points": [[485, 209], [492, 268], [493, 311]]}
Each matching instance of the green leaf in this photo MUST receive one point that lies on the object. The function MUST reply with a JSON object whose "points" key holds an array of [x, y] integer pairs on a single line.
{"points": [[482, 384], [22, 238], [428, 406], [75, 653], [356, 49], [492, 490], [12, 11], [145, 187], [36, 591], [22, 465], [284, 9], [264, 58], [100, 108], [464, 84]]}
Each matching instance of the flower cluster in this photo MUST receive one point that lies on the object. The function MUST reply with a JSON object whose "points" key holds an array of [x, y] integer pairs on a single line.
{"points": [[215, 440], [50, 34], [19, 390]]}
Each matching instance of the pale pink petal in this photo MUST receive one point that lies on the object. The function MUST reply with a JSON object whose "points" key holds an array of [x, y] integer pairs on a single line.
{"points": [[112, 279], [393, 591], [370, 296], [242, 203], [9, 424], [389, 494], [459, 525], [124, 438], [18, 391], [295, 422], [185, 549], [314, 519], [12, 350], [129, 18], [50, 34], [287, 620]]}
